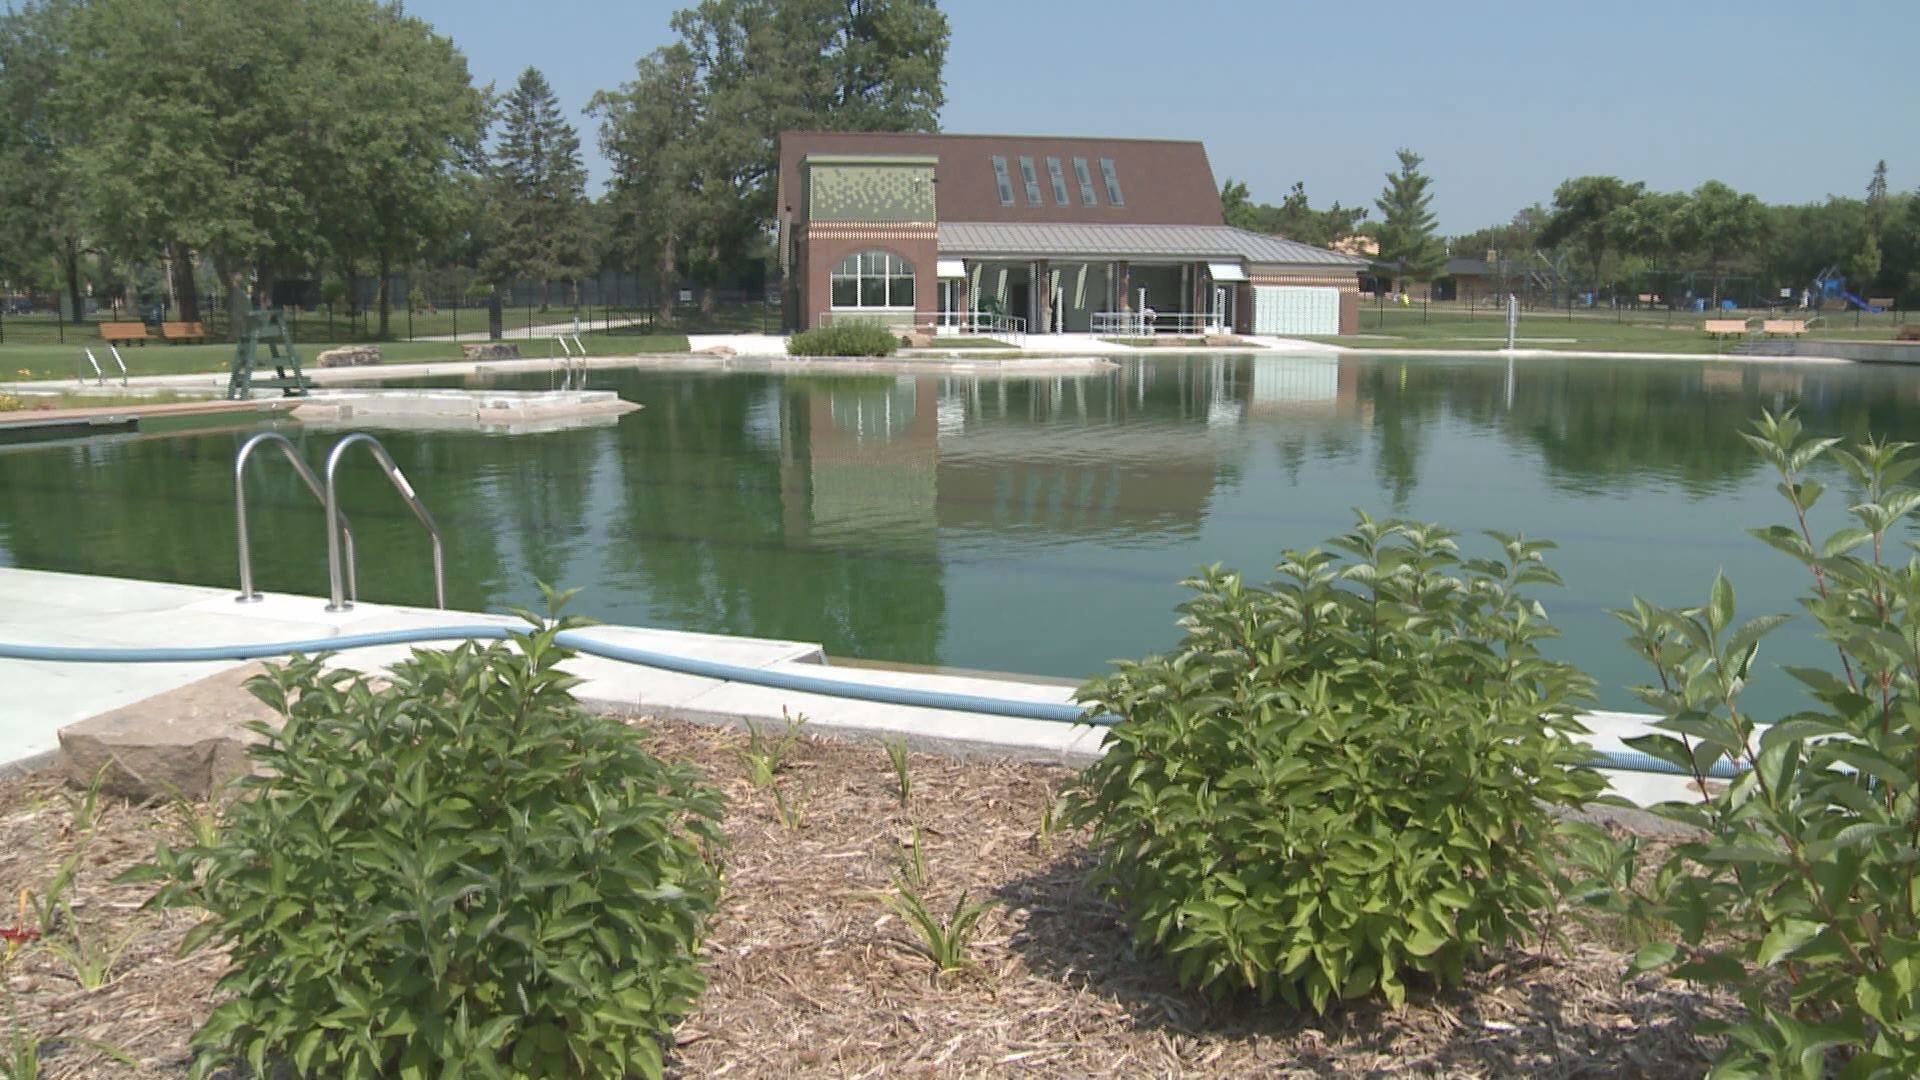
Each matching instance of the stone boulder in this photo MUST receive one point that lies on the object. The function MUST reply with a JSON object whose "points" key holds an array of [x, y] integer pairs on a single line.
{"points": [[348, 356], [185, 743], [492, 350]]}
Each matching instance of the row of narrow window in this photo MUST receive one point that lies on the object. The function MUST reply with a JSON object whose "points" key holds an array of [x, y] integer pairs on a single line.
{"points": [[1030, 179]]}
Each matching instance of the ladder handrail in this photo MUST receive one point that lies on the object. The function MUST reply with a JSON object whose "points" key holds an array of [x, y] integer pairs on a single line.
{"points": [[336, 594], [247, 594], [115, 351], [80, 373]]}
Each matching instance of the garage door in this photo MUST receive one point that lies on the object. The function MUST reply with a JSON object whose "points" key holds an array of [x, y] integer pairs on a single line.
{"points": [[1295, 309]]}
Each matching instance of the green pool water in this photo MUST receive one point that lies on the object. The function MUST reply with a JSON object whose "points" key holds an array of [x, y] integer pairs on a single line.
{"points": [[1028, 525]]}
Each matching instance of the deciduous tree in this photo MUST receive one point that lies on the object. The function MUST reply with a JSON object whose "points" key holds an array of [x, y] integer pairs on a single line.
{"points": [[1722, 225], [1583, 218]]}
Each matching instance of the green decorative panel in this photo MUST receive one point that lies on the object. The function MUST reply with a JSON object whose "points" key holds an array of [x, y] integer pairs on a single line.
{"points": [[870, 193]]}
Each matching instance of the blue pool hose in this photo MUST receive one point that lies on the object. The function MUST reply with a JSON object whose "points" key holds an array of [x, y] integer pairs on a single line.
{"points": [[1059, 712]]}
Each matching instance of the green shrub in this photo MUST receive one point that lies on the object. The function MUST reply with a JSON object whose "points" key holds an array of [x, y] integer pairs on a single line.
{"points": [[849, 338], [459, 870], [1338, 783], [1800, 896]]}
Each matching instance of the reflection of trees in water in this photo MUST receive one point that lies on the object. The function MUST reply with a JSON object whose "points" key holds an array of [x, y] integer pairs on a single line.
{"points": [[1599, 424], [162, 509]]}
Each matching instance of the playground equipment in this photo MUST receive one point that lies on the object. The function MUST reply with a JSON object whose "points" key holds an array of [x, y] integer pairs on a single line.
{"points": [[268, 327], [1830, 286]]}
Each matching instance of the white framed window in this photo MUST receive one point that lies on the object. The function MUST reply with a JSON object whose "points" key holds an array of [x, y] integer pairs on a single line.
{"points": [[1002, 180], [1080, 173], [872, 279], [1059, 179], [1112, 178], [1032, 180]]}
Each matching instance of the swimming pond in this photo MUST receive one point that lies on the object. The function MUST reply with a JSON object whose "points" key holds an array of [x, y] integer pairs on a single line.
{"points": [[1029, 525]]}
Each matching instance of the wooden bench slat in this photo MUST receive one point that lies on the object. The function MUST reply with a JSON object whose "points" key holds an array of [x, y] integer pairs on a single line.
{"points": [[111, 332]]}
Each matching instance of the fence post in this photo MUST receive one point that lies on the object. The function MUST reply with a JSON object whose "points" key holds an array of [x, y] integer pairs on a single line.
{"points": [[3, 324], [409, 317], [456, 318], [1424, 301]]}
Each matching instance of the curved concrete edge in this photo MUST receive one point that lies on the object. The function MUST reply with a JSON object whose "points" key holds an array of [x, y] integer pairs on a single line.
{"points": [[917, 364], [1573, 354], [73, 609]]}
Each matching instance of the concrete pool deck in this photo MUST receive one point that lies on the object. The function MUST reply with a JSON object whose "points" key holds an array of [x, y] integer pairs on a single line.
{"points": [[38, 699]]}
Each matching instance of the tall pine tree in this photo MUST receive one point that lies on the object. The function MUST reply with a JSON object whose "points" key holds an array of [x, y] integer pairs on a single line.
{"points": [[1406, 226], [538, 198]]}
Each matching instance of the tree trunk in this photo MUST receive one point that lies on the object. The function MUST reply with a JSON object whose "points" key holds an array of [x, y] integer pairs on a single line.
{"points": [[235, 278], [665, 269], [263, 279], [385, 262], [72, 257], [186, 296]]}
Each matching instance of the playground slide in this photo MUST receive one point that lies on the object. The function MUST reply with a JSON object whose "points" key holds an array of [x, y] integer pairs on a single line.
{"points": [[1859, 303]]}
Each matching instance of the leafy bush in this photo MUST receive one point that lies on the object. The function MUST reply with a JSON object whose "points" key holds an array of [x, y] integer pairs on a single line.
{"points": [[1800, 895], [850, 338], [458, 869], [1341, 779]]}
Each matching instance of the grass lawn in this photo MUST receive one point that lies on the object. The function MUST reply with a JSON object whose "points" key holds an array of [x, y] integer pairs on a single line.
{"points": [[967, 343], [19, 362], [1157, 342], [1449, 327]]}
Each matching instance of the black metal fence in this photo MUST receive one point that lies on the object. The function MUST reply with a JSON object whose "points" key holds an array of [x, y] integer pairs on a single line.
{"points": [[437, 306]]}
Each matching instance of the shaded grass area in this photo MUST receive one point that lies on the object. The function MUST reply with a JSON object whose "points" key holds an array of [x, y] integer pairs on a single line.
{"points": [[810, 972], [1448, 327]]}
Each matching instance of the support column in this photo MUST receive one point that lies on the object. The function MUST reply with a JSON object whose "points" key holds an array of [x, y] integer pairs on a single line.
{"points": [[1123, 284], [961, 309], [1043, 298]]}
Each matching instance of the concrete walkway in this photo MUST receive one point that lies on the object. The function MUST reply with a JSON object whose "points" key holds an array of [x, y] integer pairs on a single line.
{"points": [[37, 699]]}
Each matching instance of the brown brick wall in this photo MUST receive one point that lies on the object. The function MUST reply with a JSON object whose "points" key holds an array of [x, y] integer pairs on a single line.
{"points": [[824, 244]]}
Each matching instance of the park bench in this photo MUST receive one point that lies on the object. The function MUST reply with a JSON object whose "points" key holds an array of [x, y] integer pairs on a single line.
{"points": [[121, 333], [176, 332], [1789, 327], [1884, 303], [1725, 327]]}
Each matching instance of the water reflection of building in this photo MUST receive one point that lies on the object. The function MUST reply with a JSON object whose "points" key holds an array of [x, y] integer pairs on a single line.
{"points": [[1136, 451]]}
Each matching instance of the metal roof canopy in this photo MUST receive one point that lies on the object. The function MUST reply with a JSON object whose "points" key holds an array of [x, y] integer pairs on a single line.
{"points": [[1226, 272], [1174, 243], [950, 268]]}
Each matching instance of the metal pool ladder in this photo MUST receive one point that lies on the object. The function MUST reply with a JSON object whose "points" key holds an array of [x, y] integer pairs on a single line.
{"points": [[342, 583]]}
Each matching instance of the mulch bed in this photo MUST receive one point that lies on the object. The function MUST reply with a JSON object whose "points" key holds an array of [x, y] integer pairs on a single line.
{"points": [[812, 973]]}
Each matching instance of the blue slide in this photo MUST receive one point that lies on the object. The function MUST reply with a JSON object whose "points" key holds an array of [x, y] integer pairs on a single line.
{"points": [[1870, 309]]}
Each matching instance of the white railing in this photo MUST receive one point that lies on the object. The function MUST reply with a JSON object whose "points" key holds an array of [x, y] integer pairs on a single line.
{"points": [[1137, 324], [1010, 328]]}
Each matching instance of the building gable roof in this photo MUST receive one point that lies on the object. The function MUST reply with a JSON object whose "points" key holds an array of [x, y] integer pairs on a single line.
{"points": [[1162, 182]]}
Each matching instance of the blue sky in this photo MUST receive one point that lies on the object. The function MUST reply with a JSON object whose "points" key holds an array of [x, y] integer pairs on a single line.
{"points": [[1792, 101]]}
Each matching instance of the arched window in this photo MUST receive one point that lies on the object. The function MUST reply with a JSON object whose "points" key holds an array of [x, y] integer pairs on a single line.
{"points": [[873, 279]]}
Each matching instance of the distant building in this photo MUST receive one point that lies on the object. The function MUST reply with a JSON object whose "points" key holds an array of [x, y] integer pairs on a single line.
{"points": [[949, 232]]}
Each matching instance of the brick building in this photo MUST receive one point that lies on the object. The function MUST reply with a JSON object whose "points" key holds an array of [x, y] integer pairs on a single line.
{"points": [[959, 233]]}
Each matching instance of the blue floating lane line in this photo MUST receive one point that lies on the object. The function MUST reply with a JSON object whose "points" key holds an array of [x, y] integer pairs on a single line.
{"points": [[912, 697]]}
